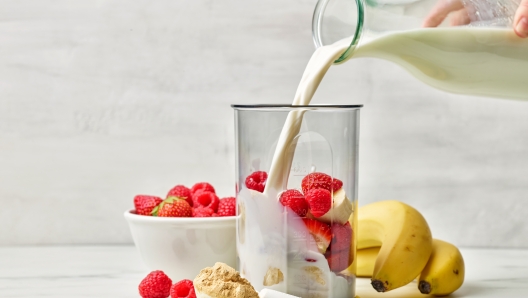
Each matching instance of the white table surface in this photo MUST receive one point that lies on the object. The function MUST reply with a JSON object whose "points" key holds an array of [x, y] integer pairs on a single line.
{"points": [[115, 271]]}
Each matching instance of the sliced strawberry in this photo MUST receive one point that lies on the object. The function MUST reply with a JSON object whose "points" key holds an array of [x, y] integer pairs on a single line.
{"points": [[342, 237], [338, 261], [320, 201], [295, 200], [321, 233]]}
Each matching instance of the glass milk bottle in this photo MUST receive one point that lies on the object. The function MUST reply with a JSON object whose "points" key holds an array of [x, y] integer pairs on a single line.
{"points": [[473, 51], [297, 198]]}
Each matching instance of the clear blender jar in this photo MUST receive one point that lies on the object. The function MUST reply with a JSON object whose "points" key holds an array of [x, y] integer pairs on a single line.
{"points": [[282, 244]]}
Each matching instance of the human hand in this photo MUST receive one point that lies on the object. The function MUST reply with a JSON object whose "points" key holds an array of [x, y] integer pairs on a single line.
{"points": [[444, 8], [459, 16], [520, 22]]}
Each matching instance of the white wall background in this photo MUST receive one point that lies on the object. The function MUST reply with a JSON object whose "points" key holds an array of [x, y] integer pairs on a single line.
{"points": [[101, 100]]}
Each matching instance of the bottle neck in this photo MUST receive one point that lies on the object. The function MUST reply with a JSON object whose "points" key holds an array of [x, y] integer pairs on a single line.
{"points": [[338, 21]]}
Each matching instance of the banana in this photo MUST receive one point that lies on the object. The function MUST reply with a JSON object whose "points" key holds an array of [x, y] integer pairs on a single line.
{"points": [[366, 258], [444, 273], [405, 240], [341, 209]]}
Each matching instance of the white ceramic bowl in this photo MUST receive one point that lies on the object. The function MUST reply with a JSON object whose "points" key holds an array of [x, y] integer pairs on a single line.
{"points": [[181, 247]]}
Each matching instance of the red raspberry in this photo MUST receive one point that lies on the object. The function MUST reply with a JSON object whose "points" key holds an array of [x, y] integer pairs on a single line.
{"points": [[202, 212], [257, 181], [204, 186], [336, 184], [182, 192], [206, 199], [215, 215], [145, 204], [227, 207], [295, 200], [320, 201], [174, 207], [320, 181], [183, 289], [155, 285]]}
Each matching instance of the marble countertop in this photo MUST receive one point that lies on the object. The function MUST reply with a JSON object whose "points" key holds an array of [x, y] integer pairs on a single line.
{"points": [[115, 271]]}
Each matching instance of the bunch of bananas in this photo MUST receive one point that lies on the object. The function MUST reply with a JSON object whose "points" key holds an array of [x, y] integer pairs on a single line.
{"points": [[395, 246]]}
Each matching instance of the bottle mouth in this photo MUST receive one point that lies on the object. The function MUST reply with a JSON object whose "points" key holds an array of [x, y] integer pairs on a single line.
{"points": [[338, 20]]}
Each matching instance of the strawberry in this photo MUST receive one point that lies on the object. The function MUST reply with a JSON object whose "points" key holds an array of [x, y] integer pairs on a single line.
{"points": [[295, 200], [342, 237], [320, 180], [227, 207], [320, 201], [173, 207], [183, 289], [202, 212], [257, 181], [321, 233], [182, 192], [206, 199], [155, 285], [202, 186], [338, 261], [144, 204]]}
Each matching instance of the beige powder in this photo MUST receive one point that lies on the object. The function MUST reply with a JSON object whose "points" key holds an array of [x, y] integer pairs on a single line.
{"points": [[273, 276], [222, 281]]}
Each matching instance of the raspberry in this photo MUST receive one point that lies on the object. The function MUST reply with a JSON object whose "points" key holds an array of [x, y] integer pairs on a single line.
{"points": [[145, 204], [206, 199], [336, 184], [202, 212], [183, 289], [320, 201], [174, 207], [203, 186], [182, 192], [295, 200], [227, 207], [155, 285], [320, 181], [257, 181]]}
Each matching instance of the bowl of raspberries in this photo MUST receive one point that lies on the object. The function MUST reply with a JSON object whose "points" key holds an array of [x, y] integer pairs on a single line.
{"points": [[190, 229]]}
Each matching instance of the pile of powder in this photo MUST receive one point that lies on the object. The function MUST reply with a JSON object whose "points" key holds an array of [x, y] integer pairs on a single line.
{"points": [[222, 281]]}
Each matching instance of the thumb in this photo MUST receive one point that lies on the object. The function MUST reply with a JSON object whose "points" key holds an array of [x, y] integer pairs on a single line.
{"points": [[520, 23]]}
